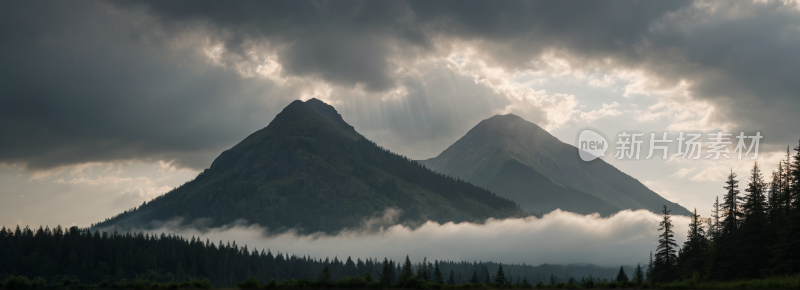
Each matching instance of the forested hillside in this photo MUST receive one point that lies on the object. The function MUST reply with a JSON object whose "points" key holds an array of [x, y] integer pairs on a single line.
{"points": [[94, 257]]}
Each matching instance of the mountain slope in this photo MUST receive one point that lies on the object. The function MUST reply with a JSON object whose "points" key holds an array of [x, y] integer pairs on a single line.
{"points": [[535, 192], [309, 170], [481, 153]]}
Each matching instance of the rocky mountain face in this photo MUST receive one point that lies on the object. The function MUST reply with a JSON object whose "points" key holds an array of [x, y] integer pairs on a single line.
{"points": [[310, 171], [481, 155]]}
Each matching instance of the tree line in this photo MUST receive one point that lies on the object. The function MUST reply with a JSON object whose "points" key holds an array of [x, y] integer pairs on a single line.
{"points": [[92, 257], [754, 234]]}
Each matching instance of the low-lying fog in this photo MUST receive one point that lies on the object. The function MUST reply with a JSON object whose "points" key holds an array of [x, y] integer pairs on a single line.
{"points": [[625, 238]]}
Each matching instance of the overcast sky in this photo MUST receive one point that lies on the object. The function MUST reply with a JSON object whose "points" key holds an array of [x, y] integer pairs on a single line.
{"points": [[104, 105]]}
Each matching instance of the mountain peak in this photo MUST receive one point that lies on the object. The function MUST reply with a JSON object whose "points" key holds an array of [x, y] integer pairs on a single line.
{"points": [[480, 154], [327, 111], [506, 117], [310, 171]]}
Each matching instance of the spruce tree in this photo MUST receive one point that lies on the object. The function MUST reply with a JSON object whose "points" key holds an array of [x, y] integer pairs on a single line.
{"points": [[437, 275], [452, 279], [395, 267], [500, 277], [649, 272], [775, 205], [426, 274], [723, 257], [665, 264], [638, 274], [730, 206], [407, 273], [325, 276], [474, 279], [793, 226], [386, 273], [692, 256], [714, 228], [753, 253], [621, 276]]}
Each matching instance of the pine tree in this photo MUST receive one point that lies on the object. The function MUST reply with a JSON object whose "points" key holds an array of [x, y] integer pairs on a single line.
{"points": [[452, 279], [474, 279], [730, 206], [552, 279], [692, 256], [325, 276], [723, 257], [775, 205], [638, 274], [395, 270], [500, 277], [386, 273], [753, 253], [350, 268], [714, 229], [665, 268], [649, 271], [437, 275], [792, 228], [407, 274], [426, 274], [621, 276]]}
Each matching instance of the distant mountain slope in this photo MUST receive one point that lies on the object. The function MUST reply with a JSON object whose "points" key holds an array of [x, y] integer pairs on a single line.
{"points": [[481, 153], [535, 192], [311, 171]]}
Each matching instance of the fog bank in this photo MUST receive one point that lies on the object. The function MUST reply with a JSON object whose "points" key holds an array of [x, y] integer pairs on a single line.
{"points": [[559, 237]]}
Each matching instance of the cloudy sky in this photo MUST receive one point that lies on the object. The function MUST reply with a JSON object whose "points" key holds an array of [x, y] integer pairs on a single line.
{"points": [[104, 105]]}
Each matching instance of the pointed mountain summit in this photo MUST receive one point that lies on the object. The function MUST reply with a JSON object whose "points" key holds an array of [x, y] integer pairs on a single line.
{"points": [[310, 171], [482, 156]]}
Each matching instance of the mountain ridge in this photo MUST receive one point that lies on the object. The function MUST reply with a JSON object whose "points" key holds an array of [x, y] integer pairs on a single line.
{"points": [[479, 155], [310, 171]]}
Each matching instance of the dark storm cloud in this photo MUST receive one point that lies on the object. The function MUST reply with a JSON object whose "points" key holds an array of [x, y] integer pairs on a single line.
{"points": [[100, 81], [355, 42], [345, 42], [743, 58], [80, 84], [738, 55]]}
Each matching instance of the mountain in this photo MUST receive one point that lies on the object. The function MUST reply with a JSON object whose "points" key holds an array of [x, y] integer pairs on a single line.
{"points": [[536, 192], [310, 171], [481, 155]]}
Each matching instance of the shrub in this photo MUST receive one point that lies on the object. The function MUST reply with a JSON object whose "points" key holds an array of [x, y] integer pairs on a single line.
{"points": [[141, 284], [271, 284], [38, 283], [121, 284], [250, 282], [17, 282]]}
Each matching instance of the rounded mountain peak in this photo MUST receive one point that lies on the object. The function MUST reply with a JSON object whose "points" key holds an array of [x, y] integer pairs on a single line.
{"points": [[508, 123]]}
